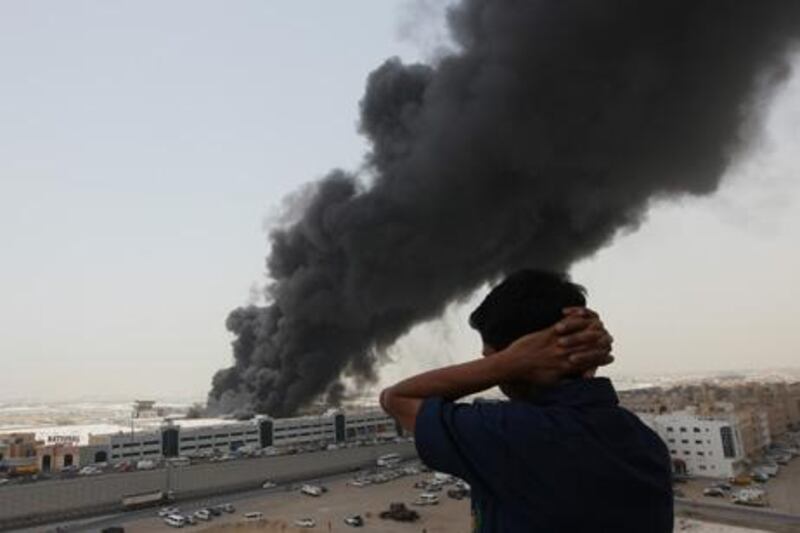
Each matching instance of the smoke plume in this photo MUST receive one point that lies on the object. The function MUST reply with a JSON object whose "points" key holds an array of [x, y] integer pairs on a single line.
{"points": [[550, 128]]}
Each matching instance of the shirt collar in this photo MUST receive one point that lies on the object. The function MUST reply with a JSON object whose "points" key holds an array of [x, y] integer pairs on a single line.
{"points": [[576, 392]]}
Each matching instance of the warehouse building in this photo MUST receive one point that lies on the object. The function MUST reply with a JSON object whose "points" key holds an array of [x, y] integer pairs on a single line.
{"points": [[199, 437]]}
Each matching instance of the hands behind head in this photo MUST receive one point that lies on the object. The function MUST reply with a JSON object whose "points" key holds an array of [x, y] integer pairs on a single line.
{"points": [[575, 346]]}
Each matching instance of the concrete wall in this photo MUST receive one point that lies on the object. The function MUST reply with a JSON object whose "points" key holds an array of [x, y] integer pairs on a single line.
{"points": [[32, 502]]}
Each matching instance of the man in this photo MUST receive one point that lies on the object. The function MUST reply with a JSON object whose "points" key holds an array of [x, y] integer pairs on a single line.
{"points": [[560, 455]]}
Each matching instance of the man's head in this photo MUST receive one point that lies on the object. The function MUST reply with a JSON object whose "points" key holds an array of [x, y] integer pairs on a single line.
{"points": [[525, 302]]}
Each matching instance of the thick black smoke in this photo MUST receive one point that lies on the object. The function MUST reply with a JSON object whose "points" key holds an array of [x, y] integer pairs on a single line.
{"points": [[551, 128]]}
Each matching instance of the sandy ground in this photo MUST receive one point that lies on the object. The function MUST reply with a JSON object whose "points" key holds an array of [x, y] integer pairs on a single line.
{"points": [[281, 508], [783, 491], [693, 526]]}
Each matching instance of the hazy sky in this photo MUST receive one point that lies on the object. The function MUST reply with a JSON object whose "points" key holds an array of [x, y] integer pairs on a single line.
{"points": [[144, 146]]}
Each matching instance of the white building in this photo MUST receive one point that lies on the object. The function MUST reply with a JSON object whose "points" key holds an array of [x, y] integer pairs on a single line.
{"points": [[195, 437], [701, 445]]}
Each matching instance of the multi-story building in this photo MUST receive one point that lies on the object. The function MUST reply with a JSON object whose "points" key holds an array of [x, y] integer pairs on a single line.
{"points": [[702, 445], [197, 437]]}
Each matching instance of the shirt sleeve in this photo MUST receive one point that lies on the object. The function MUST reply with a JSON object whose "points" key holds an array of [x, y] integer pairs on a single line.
{"points": [[462, 439]]}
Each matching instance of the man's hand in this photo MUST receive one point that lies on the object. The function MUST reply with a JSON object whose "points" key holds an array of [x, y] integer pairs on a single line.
{"points": [[576, 345]]}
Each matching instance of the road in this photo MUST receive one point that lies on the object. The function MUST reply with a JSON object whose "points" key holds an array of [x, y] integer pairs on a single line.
{"points": [[737, 515]]}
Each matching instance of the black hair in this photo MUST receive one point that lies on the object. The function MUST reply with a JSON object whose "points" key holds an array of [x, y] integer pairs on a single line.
{"points": [[526, 301]]}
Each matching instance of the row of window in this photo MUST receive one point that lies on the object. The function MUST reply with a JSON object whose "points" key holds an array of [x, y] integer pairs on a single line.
{"points": [[683, 429], [686, 441], [688, 452], [137, 444]]}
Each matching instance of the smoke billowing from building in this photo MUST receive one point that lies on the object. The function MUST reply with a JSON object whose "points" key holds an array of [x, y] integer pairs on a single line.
{"points": [[551, 128]]}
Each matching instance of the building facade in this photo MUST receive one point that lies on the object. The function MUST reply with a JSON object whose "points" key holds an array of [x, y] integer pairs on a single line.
{"points": [[203, 437], [701, 445]]}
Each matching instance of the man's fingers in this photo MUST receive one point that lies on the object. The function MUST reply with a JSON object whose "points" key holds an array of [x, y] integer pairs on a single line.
{"points": [[573, 323], [591, 358], [586, 337]]}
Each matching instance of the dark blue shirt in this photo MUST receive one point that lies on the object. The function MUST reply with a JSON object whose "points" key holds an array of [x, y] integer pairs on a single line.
{"points": [[571, 461]]}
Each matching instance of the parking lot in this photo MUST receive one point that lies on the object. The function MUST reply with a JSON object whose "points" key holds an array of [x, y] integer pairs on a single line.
{"points": [[783, 491], [280, 508]]}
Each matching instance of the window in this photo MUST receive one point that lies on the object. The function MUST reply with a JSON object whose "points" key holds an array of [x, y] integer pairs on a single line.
{"points": [[687, 452], [728, 448], [684, 441], [673, 452], [683, 430], [702, 467], [697, 430], [671, 440], [700, 453], [670, 429], [698, 442]]}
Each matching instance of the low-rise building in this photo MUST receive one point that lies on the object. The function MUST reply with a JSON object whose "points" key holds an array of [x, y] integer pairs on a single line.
{"points": [[701, 445], [54, 457]]}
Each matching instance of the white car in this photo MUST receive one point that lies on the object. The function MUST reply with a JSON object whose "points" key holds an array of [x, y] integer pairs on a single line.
{"points": [[166, 511], [203, 514], [253, 515], [175, 520], [311, 490], [305, 522], [354, 521], [427, 498], [269, 485]]}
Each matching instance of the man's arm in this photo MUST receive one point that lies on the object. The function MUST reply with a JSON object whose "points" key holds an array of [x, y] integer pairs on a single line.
{"points": [[577, 343]]}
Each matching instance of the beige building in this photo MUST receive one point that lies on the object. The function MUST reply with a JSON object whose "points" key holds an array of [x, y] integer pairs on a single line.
{"points": [[54, 457], [19, 445]]}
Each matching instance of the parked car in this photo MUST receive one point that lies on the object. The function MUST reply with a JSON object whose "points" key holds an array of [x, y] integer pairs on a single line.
{"points": [[305, 522], [311, 490], [714, 492], [227, 507], [203, 514], [427, 498], [269, 484], [166, 511], [354, 521], [175, 520], [253, 515], [90, 471]]}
